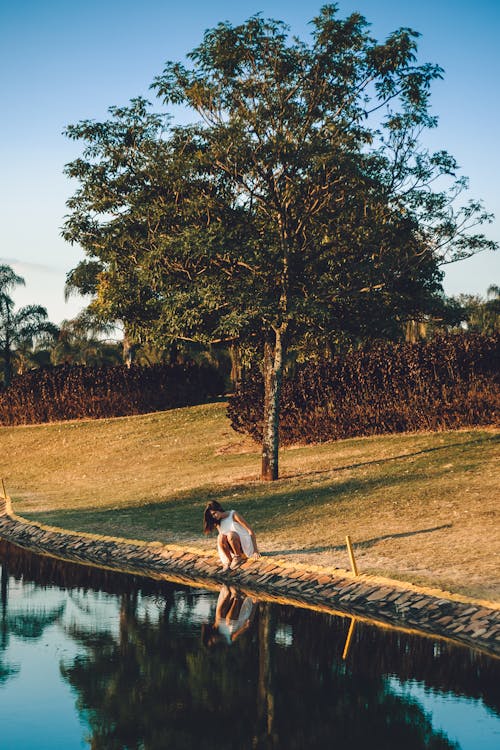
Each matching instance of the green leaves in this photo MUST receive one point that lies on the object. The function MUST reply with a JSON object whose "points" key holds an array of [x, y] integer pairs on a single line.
{"points": [[300, 195]]}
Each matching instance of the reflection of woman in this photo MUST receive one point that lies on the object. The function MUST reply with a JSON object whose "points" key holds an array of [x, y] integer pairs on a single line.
{"points": [[234, 614], [236, 540]]}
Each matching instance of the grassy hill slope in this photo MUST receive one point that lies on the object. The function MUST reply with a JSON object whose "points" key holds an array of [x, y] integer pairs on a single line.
{"points": [[420, 507]]}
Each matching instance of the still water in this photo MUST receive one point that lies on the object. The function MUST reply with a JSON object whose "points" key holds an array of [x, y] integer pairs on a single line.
{"points": [[91, 659]]}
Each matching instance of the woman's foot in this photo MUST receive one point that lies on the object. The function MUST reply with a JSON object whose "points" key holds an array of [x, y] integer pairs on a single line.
{"points": [[225, 567], [236, 562]]}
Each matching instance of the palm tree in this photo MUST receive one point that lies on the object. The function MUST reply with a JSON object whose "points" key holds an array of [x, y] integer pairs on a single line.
{"points": [[30, 357], [19, 328], [482, 315], [80, 342]]}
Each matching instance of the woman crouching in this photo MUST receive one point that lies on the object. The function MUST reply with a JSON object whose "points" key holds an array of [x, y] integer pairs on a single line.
{"points": [[236, 541]]}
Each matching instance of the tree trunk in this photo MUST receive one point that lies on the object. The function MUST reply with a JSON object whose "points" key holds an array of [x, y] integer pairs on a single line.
{"points": [[266, 737], [4, 586], [273, 370], [236, 367], [7, 354], [7, 366], [173, 354], [129, 350]]}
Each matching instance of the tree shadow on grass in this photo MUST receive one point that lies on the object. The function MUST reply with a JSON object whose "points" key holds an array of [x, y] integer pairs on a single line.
{"points": [[180, 517], [399, 457], [359, 545]]}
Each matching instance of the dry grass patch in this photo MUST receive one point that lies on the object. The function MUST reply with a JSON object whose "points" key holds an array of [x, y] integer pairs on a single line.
{"points": [[421, 507]]}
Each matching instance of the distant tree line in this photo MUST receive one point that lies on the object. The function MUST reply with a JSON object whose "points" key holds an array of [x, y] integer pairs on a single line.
{"points": [[29, 341]]}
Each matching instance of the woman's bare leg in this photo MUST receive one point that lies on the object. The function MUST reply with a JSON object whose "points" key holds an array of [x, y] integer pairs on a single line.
{"points": [[224, 550], [224, 604], [234, 541], [235, 608], [235, 544]]}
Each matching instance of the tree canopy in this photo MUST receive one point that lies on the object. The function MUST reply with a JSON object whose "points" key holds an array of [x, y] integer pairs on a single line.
{"points": [[299, 205]]}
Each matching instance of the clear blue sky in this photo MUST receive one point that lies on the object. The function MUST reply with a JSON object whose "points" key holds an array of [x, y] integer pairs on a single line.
{"points": [[62, 61]]}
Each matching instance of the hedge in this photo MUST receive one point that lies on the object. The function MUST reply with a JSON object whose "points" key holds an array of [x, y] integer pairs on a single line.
{"points": [[446, 383], [76, 391]]}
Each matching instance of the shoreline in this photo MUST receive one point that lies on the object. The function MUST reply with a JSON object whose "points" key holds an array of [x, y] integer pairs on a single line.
{"points": [[381, 601]]}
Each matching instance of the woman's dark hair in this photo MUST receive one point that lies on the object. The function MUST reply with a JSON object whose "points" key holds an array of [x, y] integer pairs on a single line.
{"points": [[210, 636], [209, 523]]}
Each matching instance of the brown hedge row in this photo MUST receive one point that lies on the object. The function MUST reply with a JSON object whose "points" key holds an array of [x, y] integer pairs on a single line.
{"points": [[75, 392], [447, 383]]}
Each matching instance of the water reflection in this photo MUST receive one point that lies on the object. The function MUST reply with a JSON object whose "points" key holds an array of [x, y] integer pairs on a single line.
{"points": [[234, 614], [157, 665]]}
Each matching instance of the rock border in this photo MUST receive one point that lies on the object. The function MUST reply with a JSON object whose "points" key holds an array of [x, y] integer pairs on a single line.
{"points": [[380, 601]]}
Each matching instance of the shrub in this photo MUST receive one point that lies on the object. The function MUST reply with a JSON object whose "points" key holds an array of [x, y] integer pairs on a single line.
{"points": [[446, 383], [76, 392]]}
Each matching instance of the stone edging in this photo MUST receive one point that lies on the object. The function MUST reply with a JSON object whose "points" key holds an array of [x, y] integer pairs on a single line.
{"points": [[368, 598]]}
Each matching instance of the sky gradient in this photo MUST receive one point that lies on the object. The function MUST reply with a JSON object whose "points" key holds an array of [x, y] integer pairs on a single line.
{"points": [[63, 62]]}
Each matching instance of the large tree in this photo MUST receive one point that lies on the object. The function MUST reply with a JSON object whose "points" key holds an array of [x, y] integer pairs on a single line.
{"points": [[299, 204]]}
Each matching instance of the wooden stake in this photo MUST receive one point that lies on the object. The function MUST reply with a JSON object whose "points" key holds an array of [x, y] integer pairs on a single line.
{"points": [[349, 638], [4, 490], [351, 555]]}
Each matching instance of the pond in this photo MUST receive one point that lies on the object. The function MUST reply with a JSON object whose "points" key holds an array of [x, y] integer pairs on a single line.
{"points": [[94, 659]]}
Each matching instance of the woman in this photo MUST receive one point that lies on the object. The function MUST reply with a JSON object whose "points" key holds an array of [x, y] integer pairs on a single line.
{"points": [[236, 541]]}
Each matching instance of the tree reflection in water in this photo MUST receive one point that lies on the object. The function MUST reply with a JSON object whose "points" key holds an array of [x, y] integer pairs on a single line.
{"points": [[26, 621], [156, 688], [281, 683], [6, 670]]}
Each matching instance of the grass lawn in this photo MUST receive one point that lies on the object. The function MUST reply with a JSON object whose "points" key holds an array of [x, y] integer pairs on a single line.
{"points": [[419, 507]]}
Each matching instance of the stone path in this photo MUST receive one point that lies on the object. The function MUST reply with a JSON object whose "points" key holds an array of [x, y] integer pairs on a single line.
{"points": [[363, 597]]}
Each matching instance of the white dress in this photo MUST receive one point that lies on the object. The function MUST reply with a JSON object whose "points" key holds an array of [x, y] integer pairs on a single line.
{"points": [[228, 524], [228, 627]]}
